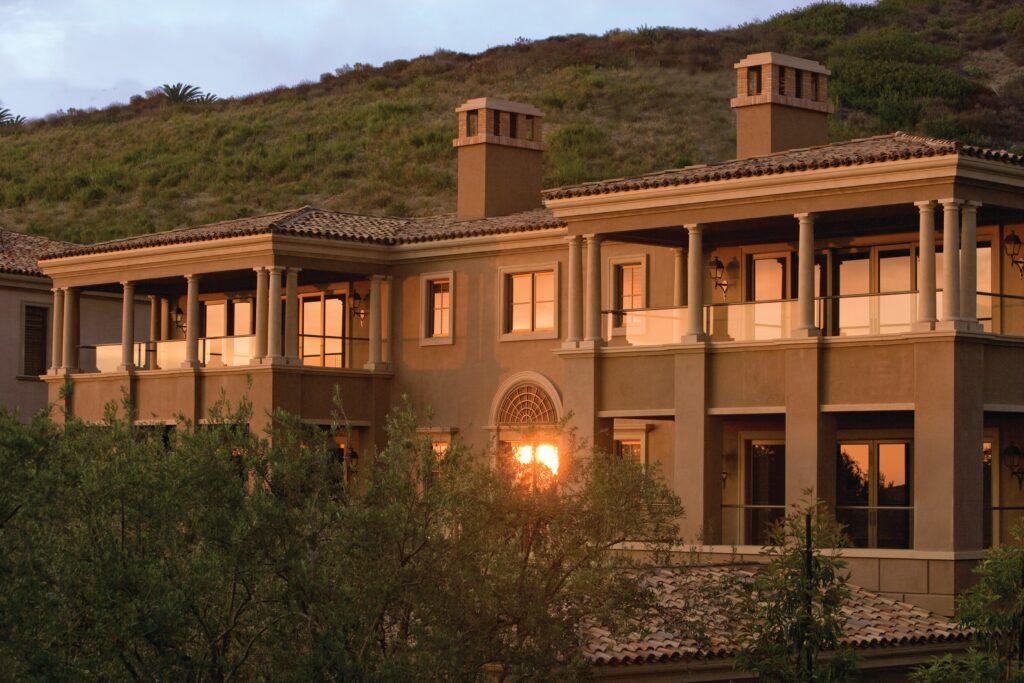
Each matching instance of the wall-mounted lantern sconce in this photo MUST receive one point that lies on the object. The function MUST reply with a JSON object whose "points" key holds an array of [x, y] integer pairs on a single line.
{"points": [[1011, 245], [716, 269], [1014, 461], [179, 319], [358, 303]]}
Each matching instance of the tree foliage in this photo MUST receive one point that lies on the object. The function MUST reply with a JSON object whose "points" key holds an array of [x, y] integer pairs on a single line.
{"points": [[183, 93], [791, 612], [994, 608], [7, 118], [215, 554]]}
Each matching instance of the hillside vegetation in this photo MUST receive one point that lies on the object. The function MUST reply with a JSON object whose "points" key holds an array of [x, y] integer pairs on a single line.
{"points": [[378, 139]]}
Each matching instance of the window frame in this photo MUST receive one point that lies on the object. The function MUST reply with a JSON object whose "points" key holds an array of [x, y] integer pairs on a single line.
{"points": [[872, 507], [426, 308], [504, 303], [615, 265], [47, 339], [745, 440]]}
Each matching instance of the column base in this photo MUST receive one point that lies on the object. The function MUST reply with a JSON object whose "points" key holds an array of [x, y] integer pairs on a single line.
{"points": [[575, 344], [805, 333], [377, 367], [292, 360], [923, 326], [698, 338], [126, 368], [194, 364], [952, 326], [591, 344], [67, 371]]}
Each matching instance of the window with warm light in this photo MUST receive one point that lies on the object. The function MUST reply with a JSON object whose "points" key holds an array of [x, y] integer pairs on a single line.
{"points": [[874, 493], [530, 304], [437, 308], [541, 454]]}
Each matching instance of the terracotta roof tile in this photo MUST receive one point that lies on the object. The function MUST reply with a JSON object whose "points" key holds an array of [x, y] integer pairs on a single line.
{"points": [[335, 225], [891, 147], [19, 253], [872, 620]]}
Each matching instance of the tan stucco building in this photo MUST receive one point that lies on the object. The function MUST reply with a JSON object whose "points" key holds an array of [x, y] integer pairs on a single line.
{"points": [[842, 318]]}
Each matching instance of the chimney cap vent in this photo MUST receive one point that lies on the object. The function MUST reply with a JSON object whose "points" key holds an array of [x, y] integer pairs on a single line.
{"points": [[499, 105]]}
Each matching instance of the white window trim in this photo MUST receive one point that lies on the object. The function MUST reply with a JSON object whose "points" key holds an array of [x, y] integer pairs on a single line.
{"points": [[503, 276], [613, 289], [47, 336], [425, 308]]}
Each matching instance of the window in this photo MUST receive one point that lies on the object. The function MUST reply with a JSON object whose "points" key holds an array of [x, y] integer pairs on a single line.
{"points": [[767, 284], [471, 123], [34, 338], [628, 279], [874, 493], [754, 80], [322, 330], [799, 78], [436, 308], [630, 449], [228, 318], [530, 303], [513, 128], [764, 490]]}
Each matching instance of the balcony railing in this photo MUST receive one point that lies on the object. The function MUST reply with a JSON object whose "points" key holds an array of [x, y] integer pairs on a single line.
{"points": [[220, 352], [847, 315]]}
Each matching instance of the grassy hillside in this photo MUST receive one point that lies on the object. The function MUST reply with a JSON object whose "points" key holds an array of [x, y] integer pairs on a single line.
{"points": [[378, 140]]}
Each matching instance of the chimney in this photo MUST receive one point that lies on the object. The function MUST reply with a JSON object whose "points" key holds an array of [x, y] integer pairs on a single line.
{"points": [[781, 103], [500, 148]]}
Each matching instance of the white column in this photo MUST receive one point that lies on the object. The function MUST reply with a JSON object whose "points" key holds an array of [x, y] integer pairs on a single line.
{"points": [[926, 265], [70, 353], [575, 291], [950, 262], [262, 281], [274, 314], [695, 285], [192, 323], [969, 264], [805, 277], [127, 326], [291, 316], [679, 277], [166, 324], [57, 337], [375, 362]]}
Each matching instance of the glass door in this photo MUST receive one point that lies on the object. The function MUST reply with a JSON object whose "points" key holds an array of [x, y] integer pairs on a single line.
{"points": [[764, 489]]}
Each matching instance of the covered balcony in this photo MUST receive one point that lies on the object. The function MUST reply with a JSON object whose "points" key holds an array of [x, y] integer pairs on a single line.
{"points": [[852, 273]]}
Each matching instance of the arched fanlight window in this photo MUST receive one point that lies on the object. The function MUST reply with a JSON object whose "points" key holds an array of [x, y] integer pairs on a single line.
{"points": [[527, 404]]}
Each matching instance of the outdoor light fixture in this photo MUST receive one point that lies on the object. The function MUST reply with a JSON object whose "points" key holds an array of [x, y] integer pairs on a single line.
{"points": [[358, 303], [1014, 461], [716, 269], [179, 318], [1011, 245]]}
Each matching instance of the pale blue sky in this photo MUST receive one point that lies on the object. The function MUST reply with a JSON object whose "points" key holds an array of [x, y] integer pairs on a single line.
{"points": [[56, 54]]}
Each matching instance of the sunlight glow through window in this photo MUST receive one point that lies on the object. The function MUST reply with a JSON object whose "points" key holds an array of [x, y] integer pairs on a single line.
{"points": [[546, 454]]}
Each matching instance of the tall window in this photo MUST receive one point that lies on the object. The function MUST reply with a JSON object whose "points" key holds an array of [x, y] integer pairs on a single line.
{"points": [[531, 302], [630, 449], [629, 289], [439, 324], [768, 284], [874, 493], [35, 333], [764, 490], [227, 318]]}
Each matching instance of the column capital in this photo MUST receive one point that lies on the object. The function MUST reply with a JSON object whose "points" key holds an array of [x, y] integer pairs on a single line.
{"points": [[276, 269], [950, 203], [926, 204], [806, 216], [259, 269], [127, 283], [192, 276], [594, 238], [694, 227], [574, 239], [293, 269], [378, 277], [971, 205]]}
